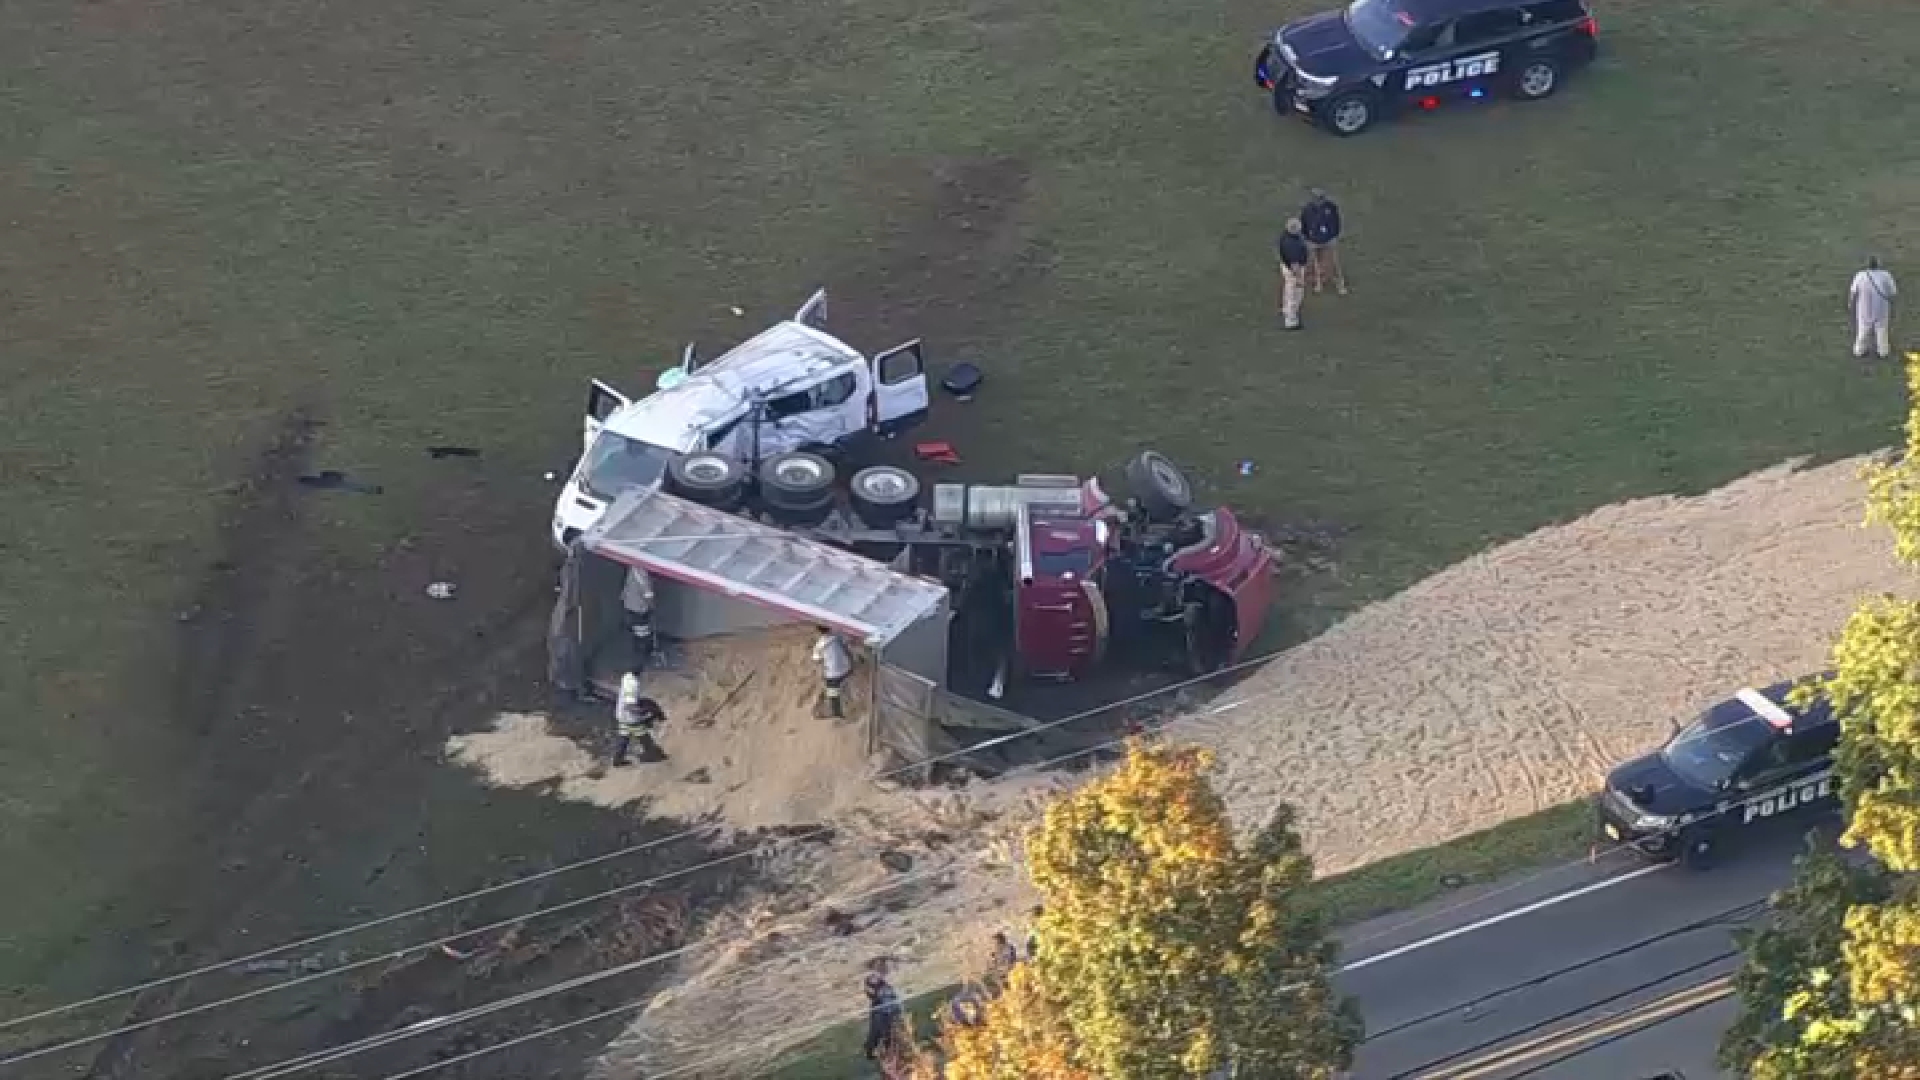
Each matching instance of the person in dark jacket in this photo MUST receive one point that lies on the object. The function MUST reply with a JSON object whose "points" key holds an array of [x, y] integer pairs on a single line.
{"points": [[1320, 219], [883, 1014], [1293, 273]]}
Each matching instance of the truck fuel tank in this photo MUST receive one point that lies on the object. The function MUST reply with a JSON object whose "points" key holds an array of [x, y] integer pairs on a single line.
{"points": [[996, 506]]}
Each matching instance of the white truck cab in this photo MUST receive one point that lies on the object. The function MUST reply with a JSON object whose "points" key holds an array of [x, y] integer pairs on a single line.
{"points": [[790, 387]]}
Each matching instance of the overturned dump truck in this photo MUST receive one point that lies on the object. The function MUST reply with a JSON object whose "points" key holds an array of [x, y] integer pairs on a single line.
{"points": [[954, 597]]}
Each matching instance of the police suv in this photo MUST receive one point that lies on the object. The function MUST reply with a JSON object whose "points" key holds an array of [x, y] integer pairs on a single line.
{"points": [[1345, 69], [1744, 761]]}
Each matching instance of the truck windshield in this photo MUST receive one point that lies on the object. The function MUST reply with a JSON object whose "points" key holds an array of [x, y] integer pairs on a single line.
{"points": [[616, 464], [1381, 26], [1708, 751]]}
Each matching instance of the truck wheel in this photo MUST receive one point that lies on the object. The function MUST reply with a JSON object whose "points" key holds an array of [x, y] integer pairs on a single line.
{"points": [[706, 478], [797, 487], [884, 496], [1160, 486], [1696, 851]]}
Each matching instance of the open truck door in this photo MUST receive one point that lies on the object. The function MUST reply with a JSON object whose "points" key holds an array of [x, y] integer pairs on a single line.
{"points": [[814, 312], [602, 402], [677, 374], [900, 397]]}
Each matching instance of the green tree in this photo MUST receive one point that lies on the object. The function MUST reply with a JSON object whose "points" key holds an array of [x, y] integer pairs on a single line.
{"points": [[1831, 991], [1795, 974], [1167, 949]]}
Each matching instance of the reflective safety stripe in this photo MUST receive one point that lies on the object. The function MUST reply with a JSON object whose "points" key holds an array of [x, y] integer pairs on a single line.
{"points": [[1765, 708]]}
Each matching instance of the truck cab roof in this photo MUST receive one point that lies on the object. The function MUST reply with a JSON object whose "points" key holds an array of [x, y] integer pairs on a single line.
{"points": [[787, 354]]}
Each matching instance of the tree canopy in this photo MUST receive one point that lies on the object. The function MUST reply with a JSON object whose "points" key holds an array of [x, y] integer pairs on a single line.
{"points": [[1167, 950], [1831, 988]]}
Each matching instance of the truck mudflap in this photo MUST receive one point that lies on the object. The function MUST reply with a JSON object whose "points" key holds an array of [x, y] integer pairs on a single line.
{"points": [[1239, 563]]}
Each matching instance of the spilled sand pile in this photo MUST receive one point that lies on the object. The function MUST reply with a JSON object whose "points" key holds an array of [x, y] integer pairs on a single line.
{"points": [[742, 742], [1499, 686], [1512, 681]]}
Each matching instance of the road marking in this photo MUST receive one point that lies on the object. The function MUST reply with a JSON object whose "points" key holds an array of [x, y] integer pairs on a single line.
{"points": [[1587, 1032], [1494, 920]]}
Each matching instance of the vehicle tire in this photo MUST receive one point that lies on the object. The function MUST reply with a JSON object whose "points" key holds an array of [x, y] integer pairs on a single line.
{"points": [[884, 496], [1161, 487], [1537, 78], [706, 478], [797, 487], [1350, 113], [1696, 852]]}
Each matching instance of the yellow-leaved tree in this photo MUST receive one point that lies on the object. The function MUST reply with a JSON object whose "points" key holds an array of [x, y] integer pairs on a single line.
{"points": [[1167, 949], [1831, 990]]}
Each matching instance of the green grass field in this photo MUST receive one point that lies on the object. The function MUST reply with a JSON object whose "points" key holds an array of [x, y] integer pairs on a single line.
{"points": [[431, 223]]}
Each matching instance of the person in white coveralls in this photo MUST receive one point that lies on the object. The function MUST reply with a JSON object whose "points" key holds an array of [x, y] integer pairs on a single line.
{"points": [[1871, 298]]}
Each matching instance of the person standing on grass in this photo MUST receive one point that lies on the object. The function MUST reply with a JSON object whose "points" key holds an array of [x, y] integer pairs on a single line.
{"points": [[1871, 297], [1320, 219], [1293, 273]]}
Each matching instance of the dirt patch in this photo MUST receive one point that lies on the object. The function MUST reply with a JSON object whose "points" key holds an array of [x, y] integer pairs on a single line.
{"points": [[313, 688], [956, 251], [218, 626]]}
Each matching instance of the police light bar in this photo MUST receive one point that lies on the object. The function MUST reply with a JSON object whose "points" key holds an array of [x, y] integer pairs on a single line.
{"points": [[1765, 708]]}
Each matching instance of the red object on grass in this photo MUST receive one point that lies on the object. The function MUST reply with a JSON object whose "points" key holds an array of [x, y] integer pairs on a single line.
{"points": [[940, 452]]}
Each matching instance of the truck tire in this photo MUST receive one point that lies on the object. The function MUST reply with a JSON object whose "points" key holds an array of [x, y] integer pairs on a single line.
{"points": [[884, 496], [797, 487], [1160, 486], [706, 478]]}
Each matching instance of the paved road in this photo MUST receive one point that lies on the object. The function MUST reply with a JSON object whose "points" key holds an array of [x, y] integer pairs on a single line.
{"points": [[1610, 971]]}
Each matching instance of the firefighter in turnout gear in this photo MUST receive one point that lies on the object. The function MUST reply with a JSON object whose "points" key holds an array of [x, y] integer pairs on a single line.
{"points": [[836, 663], [637, 598], [635, 717]]}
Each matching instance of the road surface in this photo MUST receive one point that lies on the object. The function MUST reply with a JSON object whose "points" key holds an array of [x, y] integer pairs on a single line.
{"points": [[1609, 971]]}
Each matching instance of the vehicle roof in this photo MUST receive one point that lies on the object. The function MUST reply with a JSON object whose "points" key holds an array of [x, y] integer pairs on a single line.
{"points": [[1428, 11], [719, 391], [1735, 711]]}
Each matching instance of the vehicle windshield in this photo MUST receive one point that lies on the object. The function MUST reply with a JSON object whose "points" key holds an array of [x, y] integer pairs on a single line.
{"points": [[1381, 26], [1708, 751], [616, 464]]}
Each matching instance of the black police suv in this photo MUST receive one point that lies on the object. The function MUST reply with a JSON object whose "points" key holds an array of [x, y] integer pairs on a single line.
{"points": [[1743, 761], [1345, 69]]}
